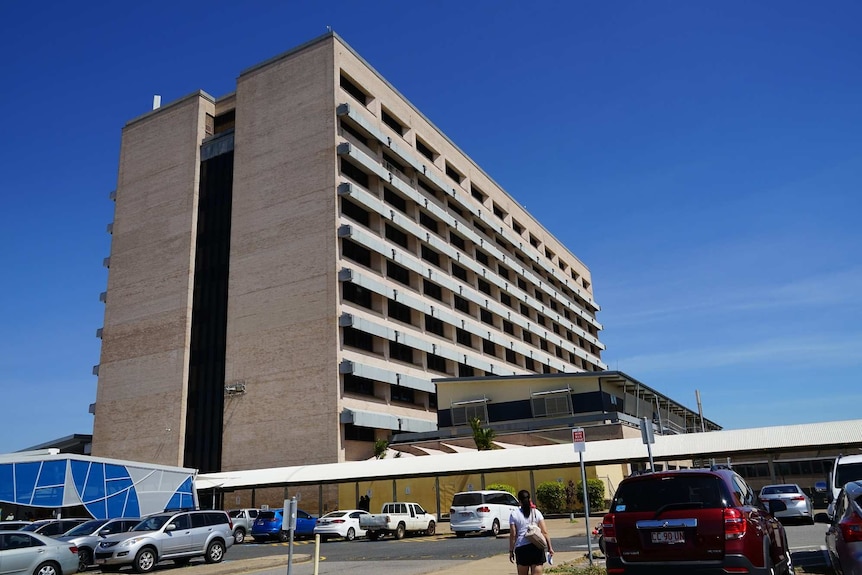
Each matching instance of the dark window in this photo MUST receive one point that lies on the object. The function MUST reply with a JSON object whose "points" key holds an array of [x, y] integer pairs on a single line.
{"points": [[398, 273], [462, 304], [425, 187], [395, 235], [392, 164], [399, 311], [525, 310], [546, 368], [459, 272], [570, 336], [432, 400], [479, 227], [394, 200], [508, 327], [498, 211], [436, 363], [504, 272], [540, 319], [346, 127], [356, 433], [517, 227], [357, 294], [433, 325], [529, 364], [427, 222], [457, 241], [527, 336], [486, 316], [356, 384], [360, 339], [430, 255], [522, 284], [431, 289], [482, 257], [489, 348], [354, 90], [510, 356], [390, 121], [400, 352], [484, 286], [355, 212], [401, 393], [543, 343], [353, 251], [540, 296], [555, 327], [455, 209], [465, 370], [464, 337], [350, 170], [505, 299], [425, 150], [553, 304], [477, 193], [453, 173], [559, 352], [534, 241]]}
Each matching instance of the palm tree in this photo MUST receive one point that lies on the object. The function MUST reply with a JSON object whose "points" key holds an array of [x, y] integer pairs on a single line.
{"points": [[484, 438], [380, 447]]}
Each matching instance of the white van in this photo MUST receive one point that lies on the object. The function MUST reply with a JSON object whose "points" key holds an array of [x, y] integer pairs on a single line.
{"points": [[483, 511], [846, 468]]}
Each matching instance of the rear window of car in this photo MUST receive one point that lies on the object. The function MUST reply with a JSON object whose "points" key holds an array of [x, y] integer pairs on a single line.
{"points": [[677, 491], [466, 499], [235, 513], [778, 489], [266, 515]]}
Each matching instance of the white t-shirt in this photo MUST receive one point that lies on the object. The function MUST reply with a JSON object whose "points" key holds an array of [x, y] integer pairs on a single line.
{"points": [[520, 523]]}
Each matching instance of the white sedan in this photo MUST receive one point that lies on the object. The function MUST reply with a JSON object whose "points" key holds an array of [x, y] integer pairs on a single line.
{"points": [[344, 523], [34, 554]]}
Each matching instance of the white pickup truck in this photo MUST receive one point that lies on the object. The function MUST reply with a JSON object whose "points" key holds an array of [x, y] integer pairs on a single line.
{"points": [[398, 519]]}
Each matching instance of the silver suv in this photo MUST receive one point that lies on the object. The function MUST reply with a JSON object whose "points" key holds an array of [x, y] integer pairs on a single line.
{"points": [[179, 536], [87, 536]]}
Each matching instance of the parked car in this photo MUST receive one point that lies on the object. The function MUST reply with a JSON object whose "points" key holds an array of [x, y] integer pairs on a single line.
{"points": [[846, 468], [28, 553], [53, 527], [398, 519], [340, 524], [693, 521], [798, 503], [180, 536], [13, 525], [243, 519], [268, 525], [86, 536], [481, 511], [844, 536]]}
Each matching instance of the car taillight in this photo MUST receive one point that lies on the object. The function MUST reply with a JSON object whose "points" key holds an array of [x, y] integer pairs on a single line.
{"points": [[483, 509], [797, 498], [338, 520], [851, 529], [735, 524], [609, 530], [73, 549]]}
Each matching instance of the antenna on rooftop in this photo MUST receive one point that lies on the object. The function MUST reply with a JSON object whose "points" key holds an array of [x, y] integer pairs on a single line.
{"points": [[157, 102]]}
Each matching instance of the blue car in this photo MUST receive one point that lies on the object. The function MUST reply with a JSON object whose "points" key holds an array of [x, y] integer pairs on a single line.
{"points": [[268, 526]]}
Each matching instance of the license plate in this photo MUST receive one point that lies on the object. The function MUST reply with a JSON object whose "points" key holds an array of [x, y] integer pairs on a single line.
{"points": [[669, 537], [465, 514]]}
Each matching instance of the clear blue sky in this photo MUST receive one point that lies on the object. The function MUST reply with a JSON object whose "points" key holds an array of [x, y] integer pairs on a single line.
{"points": [[704, 159]]}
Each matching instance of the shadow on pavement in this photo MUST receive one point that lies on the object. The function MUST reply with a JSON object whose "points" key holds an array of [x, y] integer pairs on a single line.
{"points": [[811, 562]]}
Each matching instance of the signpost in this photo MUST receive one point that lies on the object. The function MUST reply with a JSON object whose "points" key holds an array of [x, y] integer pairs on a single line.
{"points": [[579, 442], [289, 521], [648, 438]]}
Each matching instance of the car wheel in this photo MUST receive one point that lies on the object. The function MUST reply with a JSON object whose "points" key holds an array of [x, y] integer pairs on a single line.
{"points": [[399, 531], [47, 568], [432, 528], [215, 552], [351, 534], [373, 535], [85, 559], [238, 536], [283, 536], [145, 560], [495, 528], [460, 534]]}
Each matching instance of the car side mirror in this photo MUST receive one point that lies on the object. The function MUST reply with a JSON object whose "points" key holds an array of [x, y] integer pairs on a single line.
{"points": [[170, 527], [820, 487], [104, 532], [822, 518]]}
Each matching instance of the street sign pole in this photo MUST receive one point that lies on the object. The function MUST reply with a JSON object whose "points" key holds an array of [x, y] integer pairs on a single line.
{"points": [[648, 438], [289, 517], [580, 444]]}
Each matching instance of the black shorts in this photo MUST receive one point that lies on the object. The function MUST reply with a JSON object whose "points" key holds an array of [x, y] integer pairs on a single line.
{"points": [[529, 554]]}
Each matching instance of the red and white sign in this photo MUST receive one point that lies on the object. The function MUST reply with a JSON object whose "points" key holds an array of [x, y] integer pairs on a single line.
{"points": [[579, 440]]}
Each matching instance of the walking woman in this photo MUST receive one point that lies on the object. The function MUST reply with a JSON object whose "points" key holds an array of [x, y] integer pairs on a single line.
{"points": [[529, 558]]}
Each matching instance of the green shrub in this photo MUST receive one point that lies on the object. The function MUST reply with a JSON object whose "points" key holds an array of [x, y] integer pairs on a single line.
{"points": [[502, 487], [595, 492], [551, 497]]}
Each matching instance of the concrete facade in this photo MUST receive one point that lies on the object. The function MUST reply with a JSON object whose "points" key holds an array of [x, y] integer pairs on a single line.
{"points": [[368, 255]]}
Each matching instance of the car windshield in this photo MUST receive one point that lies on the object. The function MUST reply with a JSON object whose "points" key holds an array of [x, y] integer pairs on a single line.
{"points": [[86, 528], [669, 492], [847, 472], [152, 523], [335, 514], [465, 499], [778, 489]]}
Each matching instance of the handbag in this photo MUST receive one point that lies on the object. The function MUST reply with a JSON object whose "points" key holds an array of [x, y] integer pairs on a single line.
{"points": [[534, 534]]}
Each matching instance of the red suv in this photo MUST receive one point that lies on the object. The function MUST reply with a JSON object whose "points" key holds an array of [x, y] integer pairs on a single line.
{"points": [[691, 521]]}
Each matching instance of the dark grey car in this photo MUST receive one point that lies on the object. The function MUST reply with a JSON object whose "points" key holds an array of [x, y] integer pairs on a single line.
{"points": [[844, 536]]}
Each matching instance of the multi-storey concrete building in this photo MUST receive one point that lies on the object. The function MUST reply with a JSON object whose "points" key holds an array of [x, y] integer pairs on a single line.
{"points": [[293, 263]]}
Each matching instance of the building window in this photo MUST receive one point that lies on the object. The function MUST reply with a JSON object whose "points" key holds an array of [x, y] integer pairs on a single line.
{"points": [[540, 319], [505, 300], [508, 327], [431, 289], [503, 271], [427, 222], [357, 294], [400, 312], [348, 86], [356, 433], [425, 150], [455, 209], [457, 241], [353, 251], [359, 136], [483, 286], [434, 325], [426, 187], [465, 412], [478, 194], [465, 370], [435, 363], [486, 316], [479, 227], [519, 229], [358, 385], [392, 164], [398, 273], [453, 173], [359, 339], [529, 364], [498, 211], [464, 337], [527, 336], [394, 200], [390, 121], [350, 170], [459, 272], [482, 257], [430, 255], [400, 352], [534, 241], [462, 304], [511, 357], [354, 212], [543, 343], [489, 348], [525, 310], [555, 403], [401, 393], [395, 235]]}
